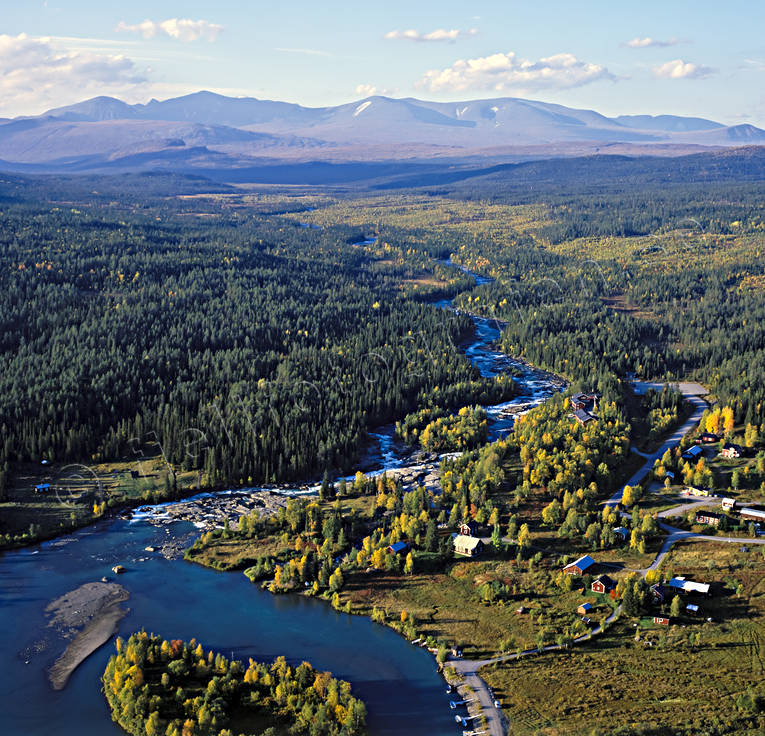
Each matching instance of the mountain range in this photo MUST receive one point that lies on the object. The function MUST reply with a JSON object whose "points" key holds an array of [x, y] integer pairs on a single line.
{"points": [[207, 130]]}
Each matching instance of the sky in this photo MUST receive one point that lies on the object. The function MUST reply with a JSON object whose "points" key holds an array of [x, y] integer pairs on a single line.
{"points": [[681, 57]]}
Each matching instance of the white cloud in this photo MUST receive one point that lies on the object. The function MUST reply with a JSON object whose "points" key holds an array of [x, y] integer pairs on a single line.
{"points": [[307, 52], [34, 75], [679, 69], [440, 34], [753, 64], [648, 42], [369, 90], [182, 29], [502, 72]]}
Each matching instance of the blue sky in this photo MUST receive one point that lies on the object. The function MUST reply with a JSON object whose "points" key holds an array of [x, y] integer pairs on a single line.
{"points": [[677, 56]]}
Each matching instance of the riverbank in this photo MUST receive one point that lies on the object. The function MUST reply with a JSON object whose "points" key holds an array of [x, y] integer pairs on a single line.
{"points": [[92, 614]]}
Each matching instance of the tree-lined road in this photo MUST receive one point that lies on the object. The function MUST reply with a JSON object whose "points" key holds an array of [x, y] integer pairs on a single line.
{"points": [[699, 405]]}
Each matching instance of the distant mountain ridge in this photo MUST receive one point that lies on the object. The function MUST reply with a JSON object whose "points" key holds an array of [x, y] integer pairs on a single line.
{"points": [[234, 132]]}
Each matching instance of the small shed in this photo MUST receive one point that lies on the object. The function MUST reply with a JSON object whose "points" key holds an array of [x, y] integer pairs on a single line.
{"points": [[397, 548], [469, 529], [621, 531], [728, 504], [584, 609]]}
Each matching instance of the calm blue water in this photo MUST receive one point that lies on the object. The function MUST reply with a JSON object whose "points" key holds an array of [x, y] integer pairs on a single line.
{"points": [[398, 682]]}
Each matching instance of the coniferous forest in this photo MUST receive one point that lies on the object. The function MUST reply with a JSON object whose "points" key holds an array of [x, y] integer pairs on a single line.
{"points": [[248, 347]]}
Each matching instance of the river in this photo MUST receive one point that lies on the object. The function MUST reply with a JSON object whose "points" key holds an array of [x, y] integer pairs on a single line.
{"points": [[398, 682]]}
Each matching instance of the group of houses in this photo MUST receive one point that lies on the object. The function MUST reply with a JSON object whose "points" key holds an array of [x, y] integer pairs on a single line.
{"points": [[729, 451], [663, 592], [712, 518], [660, 592], [466, 543], [602, 585], [583, 406], [586, 565]]}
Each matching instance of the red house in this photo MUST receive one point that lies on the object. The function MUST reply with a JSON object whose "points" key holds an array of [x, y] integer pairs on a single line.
{"points": [[602, 584], [469, 529], [661, 620], [584, 401]]}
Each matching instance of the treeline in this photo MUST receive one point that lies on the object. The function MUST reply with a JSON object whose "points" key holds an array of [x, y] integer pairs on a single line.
{"points": [[156, 687]]}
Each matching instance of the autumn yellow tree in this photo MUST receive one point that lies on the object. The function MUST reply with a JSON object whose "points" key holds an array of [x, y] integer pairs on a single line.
{"points": [[630, 496], [524, 536], [713, 421], [728, 420], [409, 564]]}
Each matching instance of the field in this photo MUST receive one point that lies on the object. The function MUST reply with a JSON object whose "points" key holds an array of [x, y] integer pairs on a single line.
{"points": [[449, 606], [661, 683]]}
